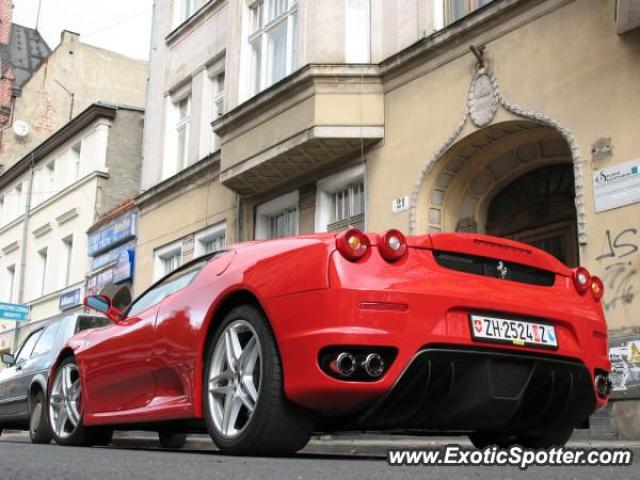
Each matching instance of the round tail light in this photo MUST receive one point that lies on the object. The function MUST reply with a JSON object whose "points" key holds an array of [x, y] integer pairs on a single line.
{"points": [[582, 279], [597, 288], [353, 244], [392, 245]]}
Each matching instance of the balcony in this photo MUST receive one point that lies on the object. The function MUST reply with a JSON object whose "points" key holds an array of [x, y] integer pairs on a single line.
{"points": [[308, 121]]}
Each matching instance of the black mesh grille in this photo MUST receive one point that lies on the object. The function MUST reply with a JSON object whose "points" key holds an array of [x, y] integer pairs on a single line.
{"points": [[488, 267]]}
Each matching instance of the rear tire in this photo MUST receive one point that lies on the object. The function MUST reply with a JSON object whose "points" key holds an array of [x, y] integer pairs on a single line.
{"points": [[243, 370], [39, 426], [172, 439]]}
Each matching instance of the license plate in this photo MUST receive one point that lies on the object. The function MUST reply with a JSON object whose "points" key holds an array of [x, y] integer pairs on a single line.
{"points": [[515, 332]]}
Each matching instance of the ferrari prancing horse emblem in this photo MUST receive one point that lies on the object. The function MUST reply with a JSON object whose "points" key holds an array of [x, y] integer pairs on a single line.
{"points": [[502, 269]]}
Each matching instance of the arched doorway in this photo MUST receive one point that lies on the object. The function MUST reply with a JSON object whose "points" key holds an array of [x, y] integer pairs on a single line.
{"points": [[538, 208], [513, 179]]}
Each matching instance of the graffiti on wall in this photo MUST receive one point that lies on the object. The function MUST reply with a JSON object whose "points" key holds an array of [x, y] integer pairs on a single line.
{"points": [[619, 261]]}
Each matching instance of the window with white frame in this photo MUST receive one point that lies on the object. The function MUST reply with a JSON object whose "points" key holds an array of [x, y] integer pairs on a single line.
{"points": [[340, 201], [273, 41], [358, 31], [218, 106], [278, 217], [185, 9], [11, 280], [183, 110], [74, 153], [210, 239], [66, 259], [167, 259], [41, 281], [456, 9], [2, 211]]}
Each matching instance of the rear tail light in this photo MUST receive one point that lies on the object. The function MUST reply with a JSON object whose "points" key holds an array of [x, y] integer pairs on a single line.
{"points": [[582, 279], [392, 245], [353, 244], [597, 288]]}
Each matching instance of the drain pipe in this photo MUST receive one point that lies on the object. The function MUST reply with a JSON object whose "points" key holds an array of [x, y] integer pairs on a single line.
{"points": [[23, 250]]}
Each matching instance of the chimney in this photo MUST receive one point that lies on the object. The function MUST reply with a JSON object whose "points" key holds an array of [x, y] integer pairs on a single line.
{"points": [[6, 17]]}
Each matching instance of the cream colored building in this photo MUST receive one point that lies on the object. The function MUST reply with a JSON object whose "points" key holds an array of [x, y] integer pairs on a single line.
{"points": [[48, 201], [379, 114], [71, 78]]}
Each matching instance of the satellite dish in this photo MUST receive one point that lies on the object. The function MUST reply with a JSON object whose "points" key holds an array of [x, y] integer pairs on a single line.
{"points": [[20, 128]]}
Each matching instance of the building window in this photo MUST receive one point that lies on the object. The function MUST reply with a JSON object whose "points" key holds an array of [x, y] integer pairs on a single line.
{"points": [[358, 31], [456, 9], [211, 239], [67, 256], [11, 280], [217, 107], [50, 171], [2, 212], [167, 259], [41, 282], [183, 108], [273, 41], [278, 217], [341, 201], [74, 153], [186, 8]]}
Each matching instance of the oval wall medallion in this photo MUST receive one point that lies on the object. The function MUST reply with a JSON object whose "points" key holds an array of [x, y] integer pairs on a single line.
{"points": [[483, 100]]}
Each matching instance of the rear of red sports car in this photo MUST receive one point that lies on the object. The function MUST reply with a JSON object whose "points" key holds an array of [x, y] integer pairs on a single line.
{"points": [[446, 333]]}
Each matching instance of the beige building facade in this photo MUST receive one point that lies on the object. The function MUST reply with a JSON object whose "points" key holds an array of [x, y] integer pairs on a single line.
{"points": [[379, 114]]}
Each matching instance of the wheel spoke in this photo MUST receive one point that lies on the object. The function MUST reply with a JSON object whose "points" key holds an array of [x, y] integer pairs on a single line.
{"points": [[71, 415], [231, 410], [63, 416], [247, 401], [221, 389], [66, 381], [248, 356], [232, 353], [249, 388]]}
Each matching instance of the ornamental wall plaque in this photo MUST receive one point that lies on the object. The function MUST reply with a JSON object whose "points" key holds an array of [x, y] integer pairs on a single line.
{"points": [[483, 99]]}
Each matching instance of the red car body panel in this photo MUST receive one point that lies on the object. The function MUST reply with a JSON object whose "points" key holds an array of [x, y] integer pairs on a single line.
{"points": [[150, 368]]}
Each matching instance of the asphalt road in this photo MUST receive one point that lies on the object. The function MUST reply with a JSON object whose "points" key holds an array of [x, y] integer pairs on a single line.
{"points": [[21, 460]]}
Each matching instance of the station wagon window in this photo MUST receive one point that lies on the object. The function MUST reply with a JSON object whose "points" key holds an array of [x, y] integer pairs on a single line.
{"points": [[86, 323], [45, 342], [27, 346], [168, 286]]}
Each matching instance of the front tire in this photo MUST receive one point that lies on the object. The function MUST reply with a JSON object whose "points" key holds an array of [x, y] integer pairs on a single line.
{"points": [[245, 407], [66, 410], [39, 427]]}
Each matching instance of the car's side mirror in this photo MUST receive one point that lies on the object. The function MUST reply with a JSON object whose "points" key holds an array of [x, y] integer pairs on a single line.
{"points": [[102, 304], [8, 359]]}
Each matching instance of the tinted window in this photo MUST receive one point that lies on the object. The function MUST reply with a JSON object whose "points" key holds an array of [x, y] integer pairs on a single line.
{"points": [[45, 343], [87, 322], [171, 284], [27, 346]]}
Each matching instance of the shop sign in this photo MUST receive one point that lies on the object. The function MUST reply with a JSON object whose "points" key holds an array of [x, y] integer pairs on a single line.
{"points": [[112, 234]]}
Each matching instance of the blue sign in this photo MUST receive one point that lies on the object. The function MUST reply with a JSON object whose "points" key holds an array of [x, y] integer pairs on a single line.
{"points": [[111, 256], [71, 299], [14, 311], [112, 234], [123, 269]]}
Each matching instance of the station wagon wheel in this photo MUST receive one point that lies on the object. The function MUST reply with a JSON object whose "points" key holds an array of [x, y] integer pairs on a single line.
{"points": [[243, 396], [39, 428]]}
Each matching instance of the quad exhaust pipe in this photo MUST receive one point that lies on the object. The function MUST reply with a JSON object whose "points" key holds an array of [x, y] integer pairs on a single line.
{"points": [[346, 364], [603, 385]]}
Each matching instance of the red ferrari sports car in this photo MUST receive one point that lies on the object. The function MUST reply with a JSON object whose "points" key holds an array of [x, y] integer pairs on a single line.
{"points": [[266, 342]]}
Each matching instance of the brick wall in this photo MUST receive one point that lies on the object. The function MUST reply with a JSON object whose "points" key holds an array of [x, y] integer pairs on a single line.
{"points": [[7, 79]]}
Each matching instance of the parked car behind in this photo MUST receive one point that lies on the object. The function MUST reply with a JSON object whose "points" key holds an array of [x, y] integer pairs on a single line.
{"points": [[23, 384]]}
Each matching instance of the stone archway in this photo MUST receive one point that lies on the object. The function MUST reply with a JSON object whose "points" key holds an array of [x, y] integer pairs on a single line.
{"points": [[445, 165], [477, 167]]}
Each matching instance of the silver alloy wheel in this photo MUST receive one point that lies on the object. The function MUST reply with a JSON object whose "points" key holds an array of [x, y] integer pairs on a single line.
{"points": [[235, 374], [65, 401]]}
